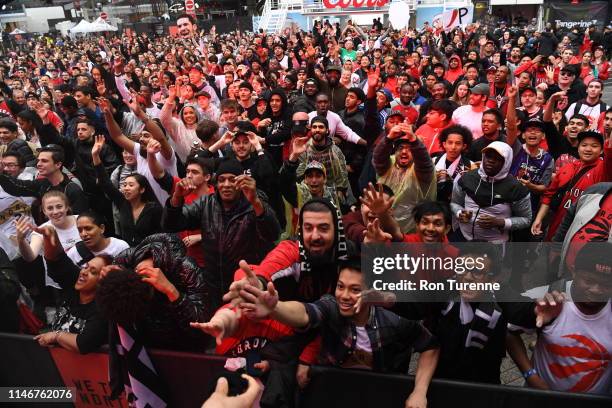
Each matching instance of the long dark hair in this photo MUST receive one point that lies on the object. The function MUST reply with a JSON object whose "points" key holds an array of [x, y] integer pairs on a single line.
{"points": [[147, 195]]}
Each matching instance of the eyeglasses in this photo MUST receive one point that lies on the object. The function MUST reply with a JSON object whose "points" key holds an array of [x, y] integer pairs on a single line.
{"points": [[566, 74]]}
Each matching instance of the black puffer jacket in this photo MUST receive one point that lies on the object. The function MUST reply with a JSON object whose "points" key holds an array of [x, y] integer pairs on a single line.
{"points": [[167, 324], [227, 236]]}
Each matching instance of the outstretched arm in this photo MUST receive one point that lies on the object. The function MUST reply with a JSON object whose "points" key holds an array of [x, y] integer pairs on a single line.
{"points": [[113, 127]]}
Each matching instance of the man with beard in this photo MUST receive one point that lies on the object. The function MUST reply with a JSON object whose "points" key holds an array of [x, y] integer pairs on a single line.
{"points": [[439, 91], [324, 151], [470, 115], [235, 222], [402, 163], [304, 269], [335, 123], [306, 102], [405, 103], [331, 85], [186, 26]]}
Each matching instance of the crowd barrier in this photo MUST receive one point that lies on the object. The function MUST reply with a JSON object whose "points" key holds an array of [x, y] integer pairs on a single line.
{"points": [[188, 375]]}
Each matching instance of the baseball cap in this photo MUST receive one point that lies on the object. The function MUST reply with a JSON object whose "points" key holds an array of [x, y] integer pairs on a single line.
{"points": [[243, 127], [333, 68], [529, 88], [595, 257], [533, 122], [315, 165], [590, 133], [395, 112], [492, 68], [480, 89], [387, 94]]}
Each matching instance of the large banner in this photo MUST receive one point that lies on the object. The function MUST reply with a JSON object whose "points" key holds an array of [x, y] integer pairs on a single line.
{"points": [[461, 16], [584, 14]]}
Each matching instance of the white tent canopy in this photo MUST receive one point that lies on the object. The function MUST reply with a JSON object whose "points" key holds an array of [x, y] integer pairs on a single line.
{"points": [[83, 27], [17, 31], [101, 25]]}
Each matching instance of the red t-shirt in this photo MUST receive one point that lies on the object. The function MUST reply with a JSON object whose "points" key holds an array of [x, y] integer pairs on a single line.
{"points": [[194, 251]]}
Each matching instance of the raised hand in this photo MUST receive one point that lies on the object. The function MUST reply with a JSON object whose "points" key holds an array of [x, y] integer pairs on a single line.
{"points": [[98, 145], [512, 92], [374, 233], [299, 145], [23, 227], [233, 295], [374, 78], [153, 147], [258, 304], [156, 278], [248, 186], [548, 307], [375, 200], [104, 105], [184, 187], [254, 139], [134, 105]]}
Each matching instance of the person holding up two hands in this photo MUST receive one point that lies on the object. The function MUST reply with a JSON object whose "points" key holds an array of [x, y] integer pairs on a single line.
{"points": [[236, 223]]}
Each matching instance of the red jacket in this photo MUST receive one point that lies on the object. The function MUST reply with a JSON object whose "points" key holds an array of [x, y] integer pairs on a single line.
{"points": [[600, 171]]}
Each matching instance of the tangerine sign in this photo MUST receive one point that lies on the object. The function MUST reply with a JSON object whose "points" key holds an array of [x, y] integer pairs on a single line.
{"points": [[355, 3]]}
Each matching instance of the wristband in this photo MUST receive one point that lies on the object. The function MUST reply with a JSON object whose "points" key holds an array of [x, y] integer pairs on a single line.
{"points": [[529, 373]]}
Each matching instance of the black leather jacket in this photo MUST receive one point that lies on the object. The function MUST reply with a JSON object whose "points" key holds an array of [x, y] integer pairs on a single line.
{"points": [[227, 236], [167, 324]]}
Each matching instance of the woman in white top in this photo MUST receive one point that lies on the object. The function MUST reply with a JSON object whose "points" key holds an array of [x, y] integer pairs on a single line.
{"points": [[56, 209], [91, 230]]}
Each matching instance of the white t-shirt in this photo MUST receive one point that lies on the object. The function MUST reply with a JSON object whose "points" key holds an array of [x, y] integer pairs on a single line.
{"points": [[465, 116], [573, 352], [113, 249], [591, 112], [68, 238], [142, 167]]}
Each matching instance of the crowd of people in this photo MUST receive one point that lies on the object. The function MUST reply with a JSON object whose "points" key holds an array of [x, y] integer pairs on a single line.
{"points": [[174, 191]]}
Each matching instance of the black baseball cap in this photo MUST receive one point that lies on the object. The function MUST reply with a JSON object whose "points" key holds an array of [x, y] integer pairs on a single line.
{"points": [[590, 133], [534, 122]]}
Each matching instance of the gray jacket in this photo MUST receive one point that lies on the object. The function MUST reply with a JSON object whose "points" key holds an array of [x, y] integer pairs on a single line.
{"points": [[579, 214]]}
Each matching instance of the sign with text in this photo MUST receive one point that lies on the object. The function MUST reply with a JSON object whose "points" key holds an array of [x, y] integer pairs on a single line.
{"points": [[88, 374], [459, 17], [583, 14], [353, 3]]}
